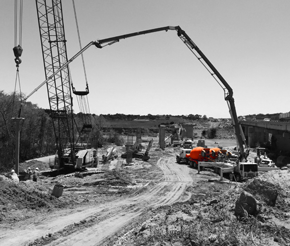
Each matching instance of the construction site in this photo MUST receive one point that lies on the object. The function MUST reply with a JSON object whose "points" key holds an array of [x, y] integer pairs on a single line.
{"points": [[70, 176]]}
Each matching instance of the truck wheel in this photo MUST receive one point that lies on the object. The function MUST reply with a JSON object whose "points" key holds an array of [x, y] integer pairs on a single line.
{"points": [[238, 177]]}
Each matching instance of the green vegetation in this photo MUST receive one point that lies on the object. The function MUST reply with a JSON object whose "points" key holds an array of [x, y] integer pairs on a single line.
{"points": [[36, 131]]}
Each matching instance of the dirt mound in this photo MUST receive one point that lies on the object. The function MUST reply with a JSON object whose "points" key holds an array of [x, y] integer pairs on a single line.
{"points": [[25, 196], [33, 164], [208, 219], [112, 178]]}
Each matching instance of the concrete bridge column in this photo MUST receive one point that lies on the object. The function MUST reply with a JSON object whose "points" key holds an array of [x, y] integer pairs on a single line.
{"points": [[188, 133], [251, 137], [162, 137]]}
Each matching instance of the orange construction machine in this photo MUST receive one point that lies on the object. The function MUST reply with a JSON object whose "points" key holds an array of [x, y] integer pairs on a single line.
{"points": [[203, 154]]}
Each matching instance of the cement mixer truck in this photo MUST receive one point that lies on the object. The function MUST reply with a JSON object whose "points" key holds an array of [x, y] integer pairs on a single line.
{"points": [[218, 159], [203, 154]]}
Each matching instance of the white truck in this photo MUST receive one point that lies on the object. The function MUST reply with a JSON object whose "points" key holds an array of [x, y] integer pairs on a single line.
{"points": [[181, 157], [187, 144]]}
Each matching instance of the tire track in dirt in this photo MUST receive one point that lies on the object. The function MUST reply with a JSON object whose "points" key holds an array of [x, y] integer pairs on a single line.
{"points": [[176, 179], [107, 219]]}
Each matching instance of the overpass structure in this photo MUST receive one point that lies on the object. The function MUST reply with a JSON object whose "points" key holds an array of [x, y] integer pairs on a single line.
{"points": [[267, 133]]}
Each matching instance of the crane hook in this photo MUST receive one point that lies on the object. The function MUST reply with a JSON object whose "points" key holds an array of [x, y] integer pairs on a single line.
{"points": [[17, 50]]}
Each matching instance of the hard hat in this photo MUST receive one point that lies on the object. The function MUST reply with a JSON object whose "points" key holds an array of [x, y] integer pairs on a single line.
{"points": [[36, 169], [12, 171]]}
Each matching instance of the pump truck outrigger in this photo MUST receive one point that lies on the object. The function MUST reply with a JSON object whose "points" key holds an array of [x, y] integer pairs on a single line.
{"points": [[228, 92]]}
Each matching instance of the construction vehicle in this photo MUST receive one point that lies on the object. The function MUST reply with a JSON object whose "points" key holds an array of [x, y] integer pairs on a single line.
{"points": [[68, 136], [181, 157], [138, 152], [222, 162], [262, 159], [187, 144], [111, 154], [201, 143], [174, 139], [176, 136], [202, 154], [186, 149], [85, 158]]}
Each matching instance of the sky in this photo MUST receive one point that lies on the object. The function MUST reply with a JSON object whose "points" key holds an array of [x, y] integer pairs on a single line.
{"points": [[247, 41]]}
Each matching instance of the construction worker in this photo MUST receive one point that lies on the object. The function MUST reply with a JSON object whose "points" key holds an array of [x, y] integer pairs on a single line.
{"points": [[28, 175], [14, 176], [35, 174]]}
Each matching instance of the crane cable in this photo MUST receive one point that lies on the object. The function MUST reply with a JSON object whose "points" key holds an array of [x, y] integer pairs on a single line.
{"points": [[83, 100], [17, 50], [80, 43]]}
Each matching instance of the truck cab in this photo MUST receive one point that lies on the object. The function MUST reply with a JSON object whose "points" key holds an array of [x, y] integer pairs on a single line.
{"points": [[181, 157], [188, 144]]}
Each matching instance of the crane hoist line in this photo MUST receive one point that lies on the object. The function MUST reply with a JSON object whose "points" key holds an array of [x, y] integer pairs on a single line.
{"points": [[17, 49], [18, 17]]}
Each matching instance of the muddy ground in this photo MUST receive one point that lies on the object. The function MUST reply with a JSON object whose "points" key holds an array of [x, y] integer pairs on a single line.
{"points": [[158, 202]]}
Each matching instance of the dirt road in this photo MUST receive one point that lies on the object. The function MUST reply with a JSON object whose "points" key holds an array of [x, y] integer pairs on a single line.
{"points": [[93, 225]]}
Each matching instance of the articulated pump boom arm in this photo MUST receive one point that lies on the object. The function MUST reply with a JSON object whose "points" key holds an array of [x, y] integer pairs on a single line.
{"points": [[194, 49], [207, 64]]}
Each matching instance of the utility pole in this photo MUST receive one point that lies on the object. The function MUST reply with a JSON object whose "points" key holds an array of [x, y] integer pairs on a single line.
{"points": [[17, 120]]}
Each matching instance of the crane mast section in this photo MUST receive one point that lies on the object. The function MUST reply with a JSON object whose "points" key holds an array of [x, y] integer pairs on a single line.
{"points": [[57, 76], [51, 28]]}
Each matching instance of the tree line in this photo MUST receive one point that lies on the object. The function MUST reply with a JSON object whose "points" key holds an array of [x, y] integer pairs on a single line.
{"points": [[37, 136], [36, 132], [130, 117]]}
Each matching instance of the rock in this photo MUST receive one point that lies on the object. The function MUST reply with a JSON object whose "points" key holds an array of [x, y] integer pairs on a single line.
{"points": [[264, 190], [212, 238], [215, 201], [246, 205]]}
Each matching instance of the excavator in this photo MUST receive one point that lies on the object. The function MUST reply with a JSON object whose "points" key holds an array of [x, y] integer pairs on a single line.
{"points": [[174, 139], [136, 150]]}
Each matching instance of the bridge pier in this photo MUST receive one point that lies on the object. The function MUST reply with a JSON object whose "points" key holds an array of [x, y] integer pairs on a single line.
{"points": [[162, 137]]}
